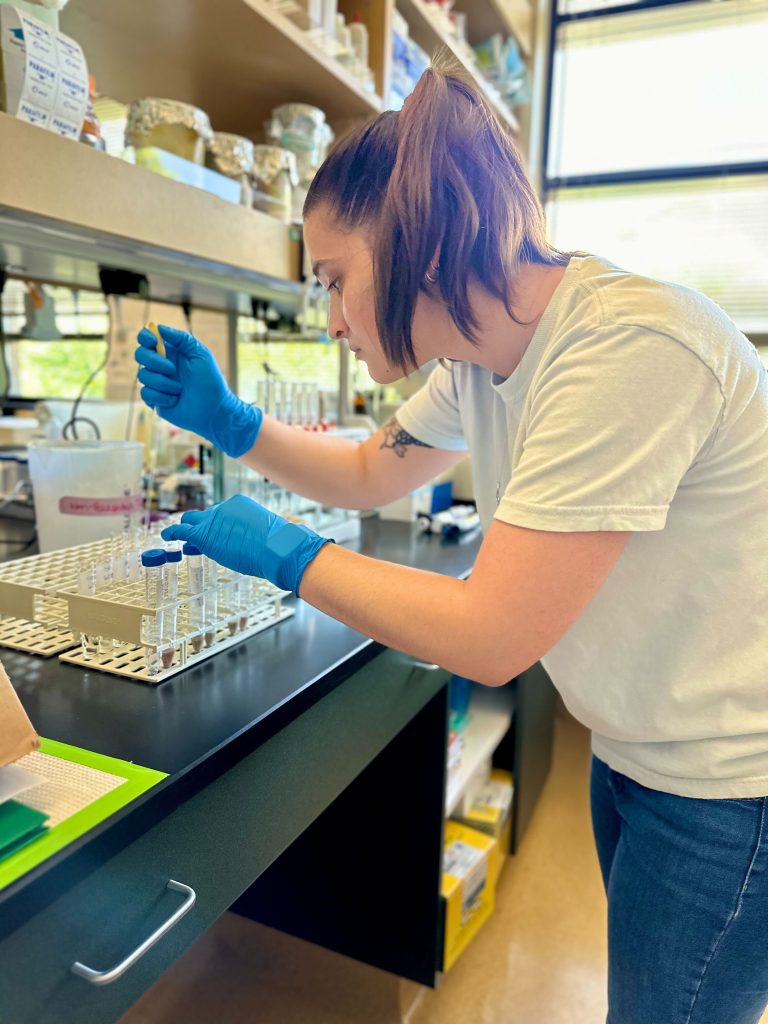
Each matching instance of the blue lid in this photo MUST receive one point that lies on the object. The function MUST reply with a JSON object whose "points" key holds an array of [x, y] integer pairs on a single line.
{"points": [[154, 557], [173, 554], [190, 549]]}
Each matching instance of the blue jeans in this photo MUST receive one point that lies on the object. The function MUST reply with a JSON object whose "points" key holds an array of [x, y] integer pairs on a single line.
{"points": [[687, 885]]}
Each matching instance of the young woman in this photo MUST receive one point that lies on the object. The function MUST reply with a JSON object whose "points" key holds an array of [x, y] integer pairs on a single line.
{"points": [[618, 427]]}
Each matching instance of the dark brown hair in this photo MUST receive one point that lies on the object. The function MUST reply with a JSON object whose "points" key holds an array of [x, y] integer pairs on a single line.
{"points": [[442, 175]]}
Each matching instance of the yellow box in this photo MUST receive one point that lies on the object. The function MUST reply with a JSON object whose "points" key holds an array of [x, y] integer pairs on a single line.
{"points": [[470, 865], [491, 812]]}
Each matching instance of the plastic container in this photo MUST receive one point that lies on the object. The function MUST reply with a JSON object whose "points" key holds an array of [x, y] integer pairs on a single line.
{"points": [[193, 560], [171, 591], [211, 585], [153, 562], [85, 490], [86, 585]]}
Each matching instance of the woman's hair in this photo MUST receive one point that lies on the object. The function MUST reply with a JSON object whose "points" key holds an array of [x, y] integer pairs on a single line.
{"points": [[441, 176]]}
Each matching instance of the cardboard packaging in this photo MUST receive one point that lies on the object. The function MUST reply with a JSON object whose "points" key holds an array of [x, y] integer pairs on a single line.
{"points": [[17, 737], [470, 863], [491, 812]]}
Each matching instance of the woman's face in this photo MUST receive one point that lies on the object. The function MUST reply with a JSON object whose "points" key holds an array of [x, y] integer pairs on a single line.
{"points": [[343, 263]]}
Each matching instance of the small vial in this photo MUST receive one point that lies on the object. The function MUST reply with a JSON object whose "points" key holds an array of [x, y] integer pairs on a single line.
{"points": [[117, 550], [153, 562], [211, 579], [231, 596], [193, 560], [171, 590], [244, 601], [86, 585]]}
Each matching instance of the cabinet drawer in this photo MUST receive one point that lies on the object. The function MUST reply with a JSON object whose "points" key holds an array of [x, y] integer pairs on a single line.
{"points": [[218, 842]]}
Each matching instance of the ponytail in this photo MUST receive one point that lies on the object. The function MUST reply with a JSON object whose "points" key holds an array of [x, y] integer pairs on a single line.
{"points": [[439, 181]]}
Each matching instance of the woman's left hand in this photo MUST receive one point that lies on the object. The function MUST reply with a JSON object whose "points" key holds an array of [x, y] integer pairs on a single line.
{"points": [[243, 535]]}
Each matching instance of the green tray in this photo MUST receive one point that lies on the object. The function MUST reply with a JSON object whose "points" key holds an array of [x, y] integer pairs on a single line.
{"points": [[138, 781]]}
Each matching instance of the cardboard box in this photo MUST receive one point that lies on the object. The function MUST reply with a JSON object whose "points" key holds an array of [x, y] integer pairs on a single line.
{"points": [[491, 812], [17, 737], [470, 863]]}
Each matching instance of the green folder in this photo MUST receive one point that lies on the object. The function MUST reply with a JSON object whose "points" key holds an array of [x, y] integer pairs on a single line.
{"points": [[19, 825]]}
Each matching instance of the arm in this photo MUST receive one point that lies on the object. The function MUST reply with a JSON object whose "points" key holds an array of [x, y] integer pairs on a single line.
{"points": [[528, 586], [343, 473], [187, 388], [526, 590]]}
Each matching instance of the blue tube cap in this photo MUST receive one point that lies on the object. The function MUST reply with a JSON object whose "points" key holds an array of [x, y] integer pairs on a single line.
{"points": [[153, 557], [173, 554], [190, 549]]}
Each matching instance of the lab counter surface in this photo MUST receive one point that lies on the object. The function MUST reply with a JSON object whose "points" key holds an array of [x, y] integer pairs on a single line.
{"points": [[306, 777]]}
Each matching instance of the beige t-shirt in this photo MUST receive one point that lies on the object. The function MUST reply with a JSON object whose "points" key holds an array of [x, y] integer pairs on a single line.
{"points": [[638, 406]]}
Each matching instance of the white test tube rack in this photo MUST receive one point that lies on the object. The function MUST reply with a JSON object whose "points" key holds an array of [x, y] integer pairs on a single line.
{"points": [[41, 596], [34, 614]]}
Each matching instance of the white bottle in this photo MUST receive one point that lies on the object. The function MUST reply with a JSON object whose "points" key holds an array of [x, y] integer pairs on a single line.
{"points": [[359, 36], [329, 21]]}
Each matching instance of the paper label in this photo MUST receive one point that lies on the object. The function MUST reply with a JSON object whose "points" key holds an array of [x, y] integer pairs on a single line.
{"points": [[469, 864], [121, 506], [46, 76]]}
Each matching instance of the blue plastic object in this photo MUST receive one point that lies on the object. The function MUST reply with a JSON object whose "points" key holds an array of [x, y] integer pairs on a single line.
{"points": [[154, 557], [190, 549], [173, 555]]}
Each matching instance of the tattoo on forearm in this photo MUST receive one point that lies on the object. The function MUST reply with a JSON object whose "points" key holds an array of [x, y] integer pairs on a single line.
{"points": [[398, 439]]}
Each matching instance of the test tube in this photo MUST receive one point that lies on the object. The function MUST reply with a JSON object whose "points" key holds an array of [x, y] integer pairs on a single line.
{"points": [[193, 560], [117, 550], [244, 600], [171, 599], [211, 579], [86, 585], [153, 562]]}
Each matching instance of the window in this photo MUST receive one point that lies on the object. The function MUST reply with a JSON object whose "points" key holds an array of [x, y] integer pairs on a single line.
{"points": [[299, 360], [657, 152], [55, 368], [675, 230]]}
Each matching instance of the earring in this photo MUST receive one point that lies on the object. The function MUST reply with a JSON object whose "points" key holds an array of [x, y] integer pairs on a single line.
{"points": [[435, 267]]}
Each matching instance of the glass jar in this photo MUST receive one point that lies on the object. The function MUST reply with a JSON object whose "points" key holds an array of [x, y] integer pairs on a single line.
{"points": [[232, 155], [177, 128], [304, 131], [274, 179]]}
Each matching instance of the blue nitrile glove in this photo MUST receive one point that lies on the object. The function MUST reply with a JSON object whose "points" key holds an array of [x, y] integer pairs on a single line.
{"points": [[188, 389], [245, 536]]}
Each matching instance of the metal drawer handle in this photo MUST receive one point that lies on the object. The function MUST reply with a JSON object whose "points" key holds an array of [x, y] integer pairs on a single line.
{"points": [[107, 977], [428, 666]]}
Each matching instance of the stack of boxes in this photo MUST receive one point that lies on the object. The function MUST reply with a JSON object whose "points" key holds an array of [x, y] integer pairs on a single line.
{"points": [[476, 840]]}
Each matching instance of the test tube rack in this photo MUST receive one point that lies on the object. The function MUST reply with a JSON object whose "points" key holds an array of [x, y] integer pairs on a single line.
{"points": [[121, 619], [34, 614], [48, 615]]}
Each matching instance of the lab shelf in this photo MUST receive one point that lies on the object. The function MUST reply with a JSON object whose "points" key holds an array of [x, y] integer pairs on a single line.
{"points": [[236, 59], [490, 717], [430, 37], [510, 17], [66, 208]]}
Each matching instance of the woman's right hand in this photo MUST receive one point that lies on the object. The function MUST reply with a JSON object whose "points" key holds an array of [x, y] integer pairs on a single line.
{"points": [[188, 389]]}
